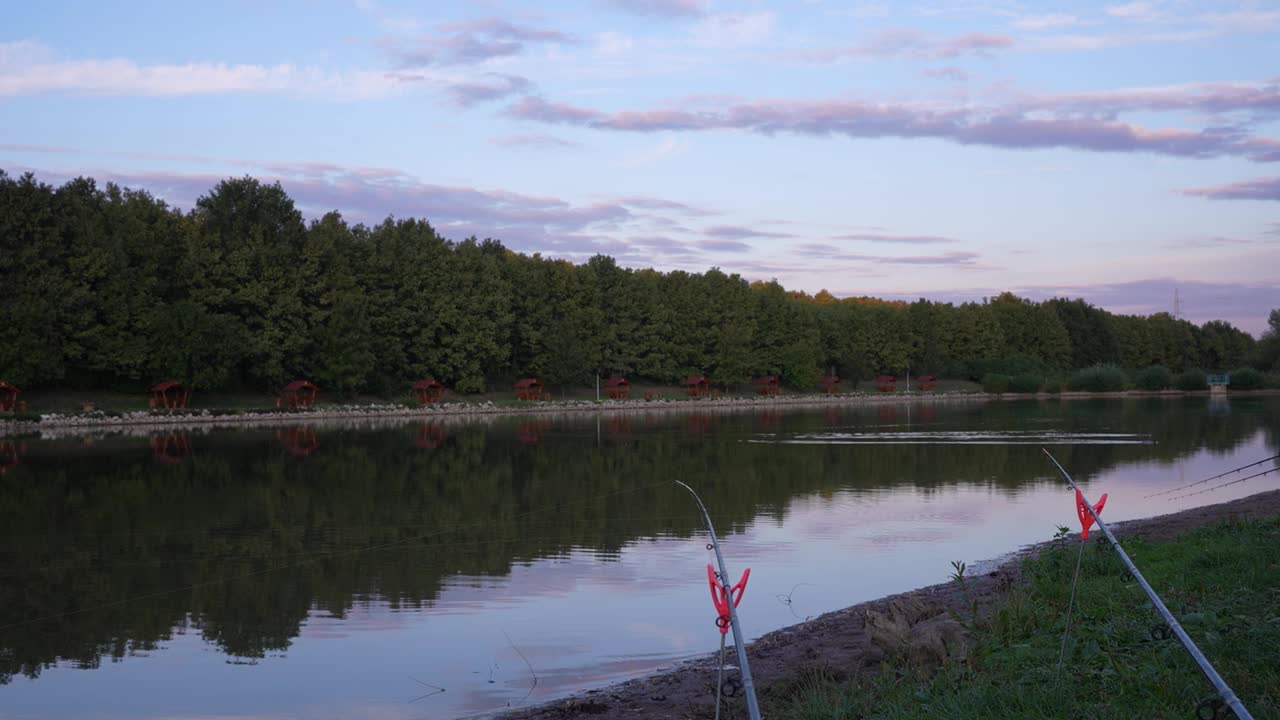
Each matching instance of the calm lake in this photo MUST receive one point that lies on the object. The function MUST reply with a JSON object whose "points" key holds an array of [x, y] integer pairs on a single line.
{"points": [[347, 572]]}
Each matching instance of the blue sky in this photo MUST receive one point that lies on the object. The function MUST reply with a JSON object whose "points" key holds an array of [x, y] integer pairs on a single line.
{"points": [[1114, 151]]}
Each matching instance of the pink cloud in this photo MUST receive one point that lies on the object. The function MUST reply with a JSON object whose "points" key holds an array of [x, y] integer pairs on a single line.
{"points": [[535, 140], [1260, 189], [901, 239], [740, 233], [959, 258], [1261, 97], [663, 8], [1024, 127], [472, 41], [732, 246], [492, 86], [909, 43]]}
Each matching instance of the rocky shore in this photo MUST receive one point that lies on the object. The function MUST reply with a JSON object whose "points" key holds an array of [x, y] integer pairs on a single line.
{"points": [[143, 422]]}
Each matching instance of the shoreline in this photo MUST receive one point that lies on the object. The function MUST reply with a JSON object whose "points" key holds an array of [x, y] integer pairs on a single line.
{"points": [[147, 421], [837, 643]]}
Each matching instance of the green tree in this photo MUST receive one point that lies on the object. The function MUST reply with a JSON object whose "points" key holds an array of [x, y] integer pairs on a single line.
{"points": [[245, 263]]}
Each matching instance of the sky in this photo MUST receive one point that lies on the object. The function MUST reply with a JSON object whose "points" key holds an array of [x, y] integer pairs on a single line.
{"points": [[949, 149]]}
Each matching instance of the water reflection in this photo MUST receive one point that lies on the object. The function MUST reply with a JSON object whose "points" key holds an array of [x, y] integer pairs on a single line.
{"points": [[171, 447], [8, 455], [299, 441], [373, 561]]}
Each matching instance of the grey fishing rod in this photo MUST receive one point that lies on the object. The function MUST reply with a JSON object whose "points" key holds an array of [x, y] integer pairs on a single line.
{"points": [[739, 639], [1225, 692]]}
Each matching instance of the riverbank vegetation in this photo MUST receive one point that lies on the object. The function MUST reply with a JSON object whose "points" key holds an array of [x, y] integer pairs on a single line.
{"points": [[1219, 580], [112, 289]]}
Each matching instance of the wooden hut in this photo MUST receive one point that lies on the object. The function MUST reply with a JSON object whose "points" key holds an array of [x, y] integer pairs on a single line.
{"points": [[428, 391], [768, 385], [697, 386], [529, 389], [170, 395], [8, 397], [831, 384], [926, 382], [299, 394], [886, 383], [619, 388]]}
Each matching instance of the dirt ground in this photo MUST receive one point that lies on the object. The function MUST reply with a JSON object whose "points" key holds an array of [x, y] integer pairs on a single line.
{"points": [[837, 642]]}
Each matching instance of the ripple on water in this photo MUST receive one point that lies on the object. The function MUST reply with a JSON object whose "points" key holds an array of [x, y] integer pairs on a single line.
{"points": [[962, 437]]}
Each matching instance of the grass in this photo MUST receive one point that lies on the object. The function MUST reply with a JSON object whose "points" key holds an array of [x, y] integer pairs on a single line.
{"points": [[1222, 582]]}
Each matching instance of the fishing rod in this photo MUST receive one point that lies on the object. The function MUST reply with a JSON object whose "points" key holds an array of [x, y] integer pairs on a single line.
{"points": [[748, 687], [1225, 692], [1225, 484], [1210, 479]]}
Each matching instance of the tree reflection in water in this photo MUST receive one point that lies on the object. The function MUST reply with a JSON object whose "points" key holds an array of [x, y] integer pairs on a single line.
{"points": [[107, 552]]}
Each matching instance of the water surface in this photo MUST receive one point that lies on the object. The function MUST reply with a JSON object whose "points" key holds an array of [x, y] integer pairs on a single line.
{"points": [[311, 572]]}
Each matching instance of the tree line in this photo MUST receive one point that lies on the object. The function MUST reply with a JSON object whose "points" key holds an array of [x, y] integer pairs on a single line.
{"points": [[112, 288]]}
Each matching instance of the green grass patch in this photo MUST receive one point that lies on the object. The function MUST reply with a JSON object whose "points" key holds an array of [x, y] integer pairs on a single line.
{"points": [[1222, 582]]}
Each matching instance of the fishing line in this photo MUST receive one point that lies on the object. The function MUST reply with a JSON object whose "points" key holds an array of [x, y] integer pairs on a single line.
{"points": [[1225, 484], [1210, 479], [356, 551], [1225, 692], [1070, 605]]}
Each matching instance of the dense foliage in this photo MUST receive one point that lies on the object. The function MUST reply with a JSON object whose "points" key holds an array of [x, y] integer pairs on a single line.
{"points": [[1247, 379], [1191, 380], [1156, 377], [112, 288], [1099, 378]]}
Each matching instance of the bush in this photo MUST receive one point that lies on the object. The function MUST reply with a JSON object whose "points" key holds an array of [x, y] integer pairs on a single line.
{"points": [[995, 383], [1099, 378], [1273, 381], [1026, 383], [1156, 377], [1191, 381], [1008, 366], [1053, 387], [1247, 379]]}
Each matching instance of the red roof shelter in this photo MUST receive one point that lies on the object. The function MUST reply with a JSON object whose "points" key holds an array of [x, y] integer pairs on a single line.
{"points": [[8, 397], [696, 386], [299, 394], [886, 383], [529, 389], [428, 391], [170, 395], [926, 382], [768, 385], [619, 388], [831, 384]]}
